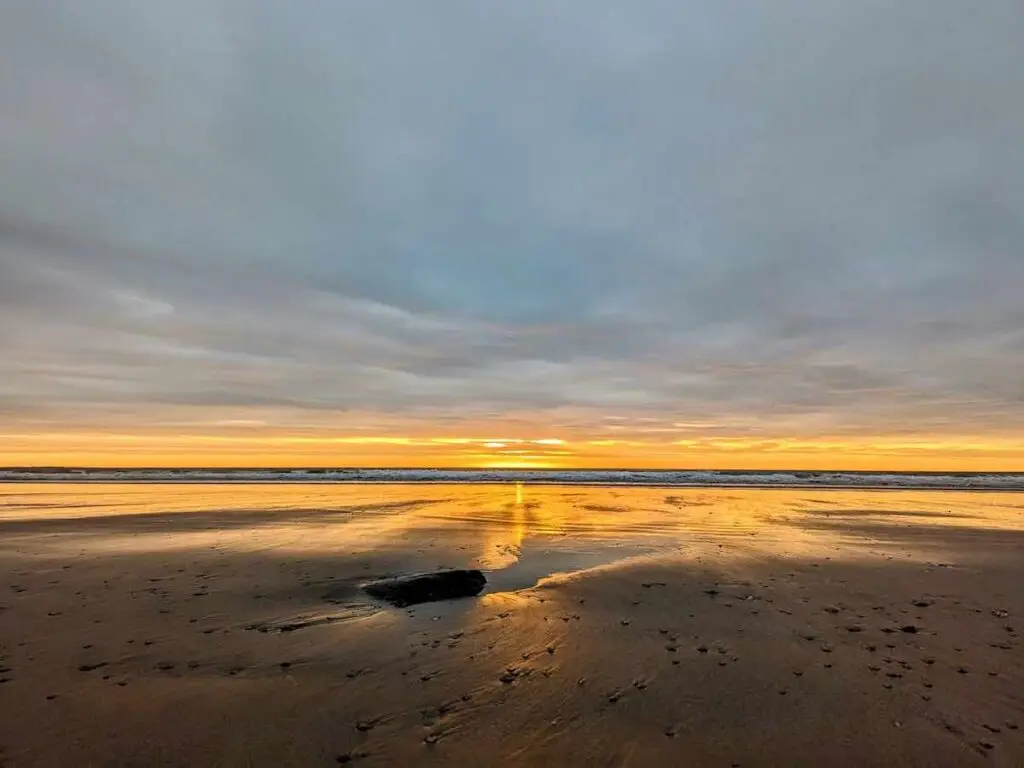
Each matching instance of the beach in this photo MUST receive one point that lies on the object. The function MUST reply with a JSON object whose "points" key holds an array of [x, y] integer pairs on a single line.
{"points": [[214, 624]]}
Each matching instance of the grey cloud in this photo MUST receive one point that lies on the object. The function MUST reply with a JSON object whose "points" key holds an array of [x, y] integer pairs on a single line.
{"points": [[797, 215]]}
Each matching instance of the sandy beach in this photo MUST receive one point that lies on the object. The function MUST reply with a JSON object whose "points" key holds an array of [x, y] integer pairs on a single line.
{"points": [[193, 625]]}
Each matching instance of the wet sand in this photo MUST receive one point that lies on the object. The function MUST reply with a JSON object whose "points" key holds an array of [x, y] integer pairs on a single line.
{"points": [[224, 625]]}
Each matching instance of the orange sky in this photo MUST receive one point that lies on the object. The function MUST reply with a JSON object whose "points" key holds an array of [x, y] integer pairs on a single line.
{"points": [[254, 448]]}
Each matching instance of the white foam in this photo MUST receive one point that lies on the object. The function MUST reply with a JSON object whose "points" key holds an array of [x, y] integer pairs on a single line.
{"points": [[698, 478]]}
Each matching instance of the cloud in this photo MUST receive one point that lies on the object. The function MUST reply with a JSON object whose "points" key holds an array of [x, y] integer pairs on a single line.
{"points": [[793, 218]]}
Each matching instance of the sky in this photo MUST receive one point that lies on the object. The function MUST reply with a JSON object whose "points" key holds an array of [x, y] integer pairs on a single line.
{"points": [[664, 233]]}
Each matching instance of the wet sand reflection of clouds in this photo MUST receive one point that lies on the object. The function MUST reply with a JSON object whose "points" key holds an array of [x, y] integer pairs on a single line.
{"points": [[490, 527]]}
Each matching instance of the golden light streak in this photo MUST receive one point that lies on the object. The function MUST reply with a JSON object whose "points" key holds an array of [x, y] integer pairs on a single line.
{"points": [[263, 447], [521, 464]]}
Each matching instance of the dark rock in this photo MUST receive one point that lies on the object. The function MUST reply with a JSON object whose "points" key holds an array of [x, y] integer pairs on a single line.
{"points": [[418, 588]]}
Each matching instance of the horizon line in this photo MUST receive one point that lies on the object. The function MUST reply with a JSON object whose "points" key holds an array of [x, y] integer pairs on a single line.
{"points": [[507, 470]]}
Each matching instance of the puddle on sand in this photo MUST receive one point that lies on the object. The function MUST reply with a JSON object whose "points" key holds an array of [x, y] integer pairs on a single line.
{"points": [[536, 564], [342, 535]]}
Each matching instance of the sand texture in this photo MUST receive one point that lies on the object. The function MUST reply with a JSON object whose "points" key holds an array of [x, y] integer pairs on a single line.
{"points": [[193, 625]]}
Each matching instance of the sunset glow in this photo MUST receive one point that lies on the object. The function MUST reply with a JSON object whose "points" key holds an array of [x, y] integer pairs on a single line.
{"points": [[156, 449], [248, 236]]}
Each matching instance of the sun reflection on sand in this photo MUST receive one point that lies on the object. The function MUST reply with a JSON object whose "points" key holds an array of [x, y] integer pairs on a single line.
{"points": [[502, 543], [584, 584], [495, 527]]}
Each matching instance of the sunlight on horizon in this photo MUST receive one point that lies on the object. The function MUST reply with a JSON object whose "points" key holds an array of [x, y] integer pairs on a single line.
{"points": [[897, 453]]}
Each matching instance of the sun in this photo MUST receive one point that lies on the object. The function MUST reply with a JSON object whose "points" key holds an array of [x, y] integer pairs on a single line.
{"points": [[516, 464]]}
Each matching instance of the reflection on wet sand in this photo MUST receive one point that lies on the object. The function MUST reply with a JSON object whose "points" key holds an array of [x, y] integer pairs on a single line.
{"points": [[622, 626], [531, 531]]}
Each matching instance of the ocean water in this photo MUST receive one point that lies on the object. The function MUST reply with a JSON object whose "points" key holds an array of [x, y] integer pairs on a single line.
{"points": [[687, 478]]}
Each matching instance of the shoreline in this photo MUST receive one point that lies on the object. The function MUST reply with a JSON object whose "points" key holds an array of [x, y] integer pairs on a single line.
{"points": [[530, 483], [853, 481]]}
